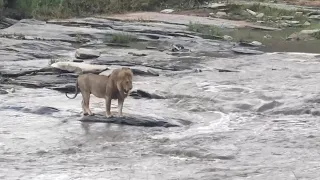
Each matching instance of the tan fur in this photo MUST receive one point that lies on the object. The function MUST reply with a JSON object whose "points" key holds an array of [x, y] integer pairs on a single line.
{"points": [[114, 86]]}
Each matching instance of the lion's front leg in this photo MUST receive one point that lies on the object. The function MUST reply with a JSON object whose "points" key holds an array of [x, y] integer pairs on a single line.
{"points": [[120, 106], [108, 106], [121, 91]]}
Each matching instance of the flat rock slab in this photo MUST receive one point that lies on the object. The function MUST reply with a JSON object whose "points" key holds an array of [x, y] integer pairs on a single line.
{"points": [[35, 29], [183, 19], [40, 110], [41, 81], [76, 67], [240, 50], [135, 120]]}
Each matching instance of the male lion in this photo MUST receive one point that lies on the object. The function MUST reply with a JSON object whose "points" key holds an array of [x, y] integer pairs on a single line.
{"points": [[114, 86]]}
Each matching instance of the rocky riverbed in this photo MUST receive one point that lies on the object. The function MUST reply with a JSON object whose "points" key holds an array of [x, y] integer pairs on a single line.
{"points": [[200, 108]]}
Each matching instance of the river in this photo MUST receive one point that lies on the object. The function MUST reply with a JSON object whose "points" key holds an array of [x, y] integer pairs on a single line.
{"points": [[259, 121]]}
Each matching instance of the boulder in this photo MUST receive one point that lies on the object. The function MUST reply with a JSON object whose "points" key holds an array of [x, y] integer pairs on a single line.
{"points": [[3, 91], [250, 44], [267, 36], [260, 15], [83, 53], [251, 12], [167, 11], [256, 43], [269, 106], [307, 23], [76, 67], [221, 14], [227, 38]]}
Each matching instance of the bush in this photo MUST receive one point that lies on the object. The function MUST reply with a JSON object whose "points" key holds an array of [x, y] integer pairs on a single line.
{"points": [[44, 9], [123, 38]]}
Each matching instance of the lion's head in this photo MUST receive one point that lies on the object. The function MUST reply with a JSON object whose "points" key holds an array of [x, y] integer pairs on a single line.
{"points": [[125, 79]]}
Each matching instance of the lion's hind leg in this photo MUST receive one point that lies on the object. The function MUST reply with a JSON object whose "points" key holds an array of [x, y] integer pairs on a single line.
{"points": [[86, 103], [108, 106]]}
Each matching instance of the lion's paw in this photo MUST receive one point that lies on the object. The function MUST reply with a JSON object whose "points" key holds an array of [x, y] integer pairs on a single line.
{"points": [[109, 116], [120, 115]]}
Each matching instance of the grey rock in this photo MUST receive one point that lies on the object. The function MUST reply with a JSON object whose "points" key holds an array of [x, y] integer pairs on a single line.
{"points": [[315, 17], [221, 14], [83, 53], [287, 17], [3, 91], [228, 38], [309, 32], [137, 54], [75, 67], [307, 23], [260, 15], [256, 43], [252, 44], [293, 22], [251, 12], [240, 50], [215, 5], [167, 11], [267, 36]]}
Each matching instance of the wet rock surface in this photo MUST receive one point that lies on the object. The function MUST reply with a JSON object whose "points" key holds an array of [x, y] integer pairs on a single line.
{"points": [[132, 120], [248, 116]]}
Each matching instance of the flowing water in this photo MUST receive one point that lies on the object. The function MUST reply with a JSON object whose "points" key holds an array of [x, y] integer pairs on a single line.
{"points": [[259, 122]]}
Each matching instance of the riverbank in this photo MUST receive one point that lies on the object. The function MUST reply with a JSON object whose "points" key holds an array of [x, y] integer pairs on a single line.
{"points": [[271, 27]]}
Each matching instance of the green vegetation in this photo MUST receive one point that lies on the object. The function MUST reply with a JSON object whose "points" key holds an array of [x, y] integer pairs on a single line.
{"points": [[52, 61], [44, 9], [316, 35], [244, 34], [123, 38], [270, 13], [211, 32], [260, 8]]}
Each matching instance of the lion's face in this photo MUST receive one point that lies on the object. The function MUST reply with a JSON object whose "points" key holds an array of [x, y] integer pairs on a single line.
{"points": [[125, 78], [127, 85]]}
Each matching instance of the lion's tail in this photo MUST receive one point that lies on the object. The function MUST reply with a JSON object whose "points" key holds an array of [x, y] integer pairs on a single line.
{"points": [[76, 93]]}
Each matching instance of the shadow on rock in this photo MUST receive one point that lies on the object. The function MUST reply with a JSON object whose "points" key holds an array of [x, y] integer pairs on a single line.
{"points": [[149, 72], [268, 106], [41, 81], [135, 120], [42, 110], [240, 50], [138, 94], [298, 111]]}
